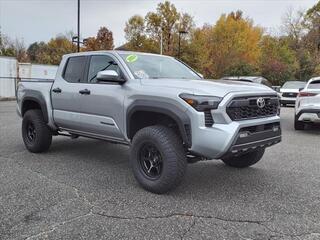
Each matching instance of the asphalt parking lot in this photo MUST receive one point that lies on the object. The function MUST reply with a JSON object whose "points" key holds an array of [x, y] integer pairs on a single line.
{"points": [[84, 189]]}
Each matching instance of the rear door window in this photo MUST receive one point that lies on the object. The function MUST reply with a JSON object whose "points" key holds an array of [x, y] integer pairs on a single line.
{"points": [[74, 69]]}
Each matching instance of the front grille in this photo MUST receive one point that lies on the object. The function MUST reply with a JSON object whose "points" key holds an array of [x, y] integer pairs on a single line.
{"points": [[289, 94], [208, 120], [244, 108]]}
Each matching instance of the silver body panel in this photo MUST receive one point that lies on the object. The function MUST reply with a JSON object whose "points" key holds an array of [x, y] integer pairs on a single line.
{"points": [[103, 113], [43, 89]]}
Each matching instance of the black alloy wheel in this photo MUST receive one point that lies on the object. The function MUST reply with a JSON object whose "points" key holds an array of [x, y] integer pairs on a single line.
{"points": [[151, 161]]}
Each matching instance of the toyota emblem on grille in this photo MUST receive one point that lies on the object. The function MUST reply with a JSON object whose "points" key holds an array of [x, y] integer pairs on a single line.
{"points": [[260, 102]]}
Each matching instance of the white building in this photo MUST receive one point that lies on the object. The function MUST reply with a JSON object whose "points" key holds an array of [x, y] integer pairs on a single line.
{"points": [[8, 77]]}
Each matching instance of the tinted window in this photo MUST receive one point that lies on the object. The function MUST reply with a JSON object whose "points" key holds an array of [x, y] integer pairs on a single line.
{"points": [[100, 63], [314, 85], [294, 85], [74, 69]]}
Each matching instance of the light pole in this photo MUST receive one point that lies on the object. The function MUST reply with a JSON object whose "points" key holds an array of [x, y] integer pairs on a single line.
{"points": [[180, 32], [318, 38], [78, 40], [161, 43], [161, 39]]}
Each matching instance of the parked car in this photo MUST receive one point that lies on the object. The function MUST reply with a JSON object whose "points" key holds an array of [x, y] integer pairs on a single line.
{"points": [[253, 79], [276, 88], [161, 108], [307, 108], [289, 92]]}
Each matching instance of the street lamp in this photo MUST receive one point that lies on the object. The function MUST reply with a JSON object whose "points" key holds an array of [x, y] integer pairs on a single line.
{"points": [[180, 32], [75, 39]]}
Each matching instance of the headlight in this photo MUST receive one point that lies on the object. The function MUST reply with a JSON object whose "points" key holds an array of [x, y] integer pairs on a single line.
{"points": [[201, 103]]}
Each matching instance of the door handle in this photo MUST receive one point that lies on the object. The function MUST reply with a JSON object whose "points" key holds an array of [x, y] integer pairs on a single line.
{"points": [[85, 91], [57, 90]]}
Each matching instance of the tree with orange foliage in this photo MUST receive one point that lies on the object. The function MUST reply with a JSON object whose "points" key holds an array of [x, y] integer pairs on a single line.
{"points": [[103, 41], [231, 41]]}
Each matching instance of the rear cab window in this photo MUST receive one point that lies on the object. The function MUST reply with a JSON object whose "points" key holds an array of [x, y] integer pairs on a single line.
{"points": [[74, 69], [314, 85]]}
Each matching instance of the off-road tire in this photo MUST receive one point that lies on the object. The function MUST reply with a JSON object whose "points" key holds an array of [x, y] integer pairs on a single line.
{"points": [[172, 154], [42, 136], [245, 160], [298, 125]]}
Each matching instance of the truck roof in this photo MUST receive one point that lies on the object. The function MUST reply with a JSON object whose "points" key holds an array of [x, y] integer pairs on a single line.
{"points": [[109, 51]]}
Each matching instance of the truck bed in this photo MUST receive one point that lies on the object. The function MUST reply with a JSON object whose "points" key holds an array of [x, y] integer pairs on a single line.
{"points": [[40, 89]]}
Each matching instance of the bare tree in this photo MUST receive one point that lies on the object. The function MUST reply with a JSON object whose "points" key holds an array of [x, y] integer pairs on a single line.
{"points": [[292, 24]]}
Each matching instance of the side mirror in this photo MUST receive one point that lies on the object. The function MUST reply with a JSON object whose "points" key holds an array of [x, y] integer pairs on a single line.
{"points": [[109, 76], [300, 89]]}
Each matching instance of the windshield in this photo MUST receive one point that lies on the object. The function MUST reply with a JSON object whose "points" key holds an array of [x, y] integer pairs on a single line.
{"points": [[294, 85], [144, 66]]}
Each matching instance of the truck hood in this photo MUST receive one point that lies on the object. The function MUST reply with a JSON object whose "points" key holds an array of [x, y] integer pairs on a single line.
{"points": [[218, 88]]}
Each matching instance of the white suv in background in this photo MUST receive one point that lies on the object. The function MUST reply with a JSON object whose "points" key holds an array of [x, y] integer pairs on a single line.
{"points": [[307, 108], [289, 92]]}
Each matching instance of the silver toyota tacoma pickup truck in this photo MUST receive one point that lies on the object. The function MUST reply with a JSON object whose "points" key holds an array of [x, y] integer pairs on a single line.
{"points": [[157, 105]]}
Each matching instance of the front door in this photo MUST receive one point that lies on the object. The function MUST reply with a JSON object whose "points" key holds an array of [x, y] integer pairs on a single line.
{"points": [[102, 111]]}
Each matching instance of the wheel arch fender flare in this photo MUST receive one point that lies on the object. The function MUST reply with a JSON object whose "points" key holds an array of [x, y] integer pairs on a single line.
{"points": [[36, 97], [166, 108]]}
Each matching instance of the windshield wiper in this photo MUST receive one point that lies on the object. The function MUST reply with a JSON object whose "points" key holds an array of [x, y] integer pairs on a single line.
{"points": [[110, 63]]}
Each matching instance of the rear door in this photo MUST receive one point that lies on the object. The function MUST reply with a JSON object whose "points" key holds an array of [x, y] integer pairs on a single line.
{"points": [[102, 113], [65, 93]]}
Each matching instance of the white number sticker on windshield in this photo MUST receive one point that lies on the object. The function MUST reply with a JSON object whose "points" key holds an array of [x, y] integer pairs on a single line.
{"points": [[141, 74]]}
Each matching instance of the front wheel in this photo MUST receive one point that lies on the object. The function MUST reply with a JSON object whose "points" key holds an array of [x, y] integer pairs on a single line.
{"points": [[158, 159], [36, 135], [245, 160]]}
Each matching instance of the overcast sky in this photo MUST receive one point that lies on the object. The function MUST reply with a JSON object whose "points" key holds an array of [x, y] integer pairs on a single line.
{"points": [[39, 20]]}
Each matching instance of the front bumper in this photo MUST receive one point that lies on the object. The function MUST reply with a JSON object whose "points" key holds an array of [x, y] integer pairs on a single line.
{"points": [[224, 139], [252, 138], [287, 100]]}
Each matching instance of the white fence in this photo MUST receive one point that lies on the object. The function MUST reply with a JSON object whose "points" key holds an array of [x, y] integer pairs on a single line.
{"points": [[11, 71], [8, 76], [37, 71]]}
